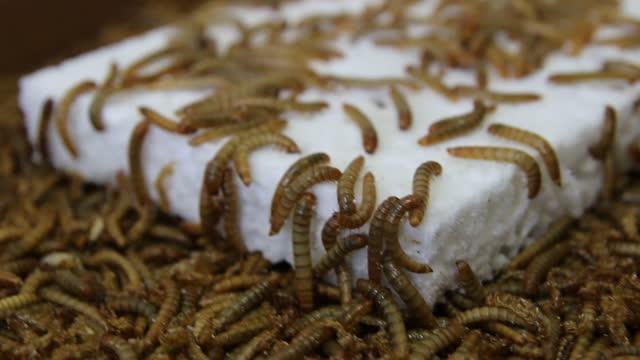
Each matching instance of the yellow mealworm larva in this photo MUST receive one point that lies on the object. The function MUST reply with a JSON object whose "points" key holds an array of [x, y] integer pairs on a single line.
{"points": [[43, 128], [346, 184], [496, 96], [293, 192], [437, 340], [167, 310], [368, 205], [336, 254], [540, 265], [160, 185], [241, 156], [520, 158], [470, 283], [490, 313], [416, 304], [468, 348], [421, 183], [307, 340], [403, 109], [607, 137], [279, 104], [448, 128], [136, 169], [100, 98], [163, 122], [369, 134], [62, 114], [237, 282], [57, 297], [210, 209], [604, 75], [556, 230], [218, 132], [391, 313], [534, 140], [112, 257], [33, 238], [303, 284], [231, 221]]}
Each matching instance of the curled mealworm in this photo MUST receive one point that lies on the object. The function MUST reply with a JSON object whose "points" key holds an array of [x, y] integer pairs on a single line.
{"points": [[403, 109], [43, 128], [163, 122], [541, 264], [421, 183], [296, 188], [470, 283], [534, 140], [231, 222], [454, 126], [114, 258], [216, 133], [409, 294], [100, 98], [33, 238], [241, 156], [369, 134], [520, 158], [557, 229], [391, 313], [336, 254], [346, 184], [489, 313], [607, 137], [167, 310], [160, 184], [57, 297], [62, 114], [136, 169], [437, 340], [364, 212], [132, 304], [303, 284]]}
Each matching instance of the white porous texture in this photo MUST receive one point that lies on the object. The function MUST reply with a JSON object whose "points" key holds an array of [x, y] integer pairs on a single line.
{"points": [[478, 210]]}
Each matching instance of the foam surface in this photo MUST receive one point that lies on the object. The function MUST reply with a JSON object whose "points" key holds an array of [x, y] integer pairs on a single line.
{"points": [[478, 211]]}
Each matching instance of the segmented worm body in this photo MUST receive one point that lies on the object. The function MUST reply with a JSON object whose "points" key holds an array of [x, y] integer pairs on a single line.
{"points": [[520, 158], [62, 114], [167, 310], [368, 205], [160, 185], [33, 238], [301, 250], [136, 169], [369, 133], [241, 156], [346, 185], [556, 230], [58, 297], [336, 254], [43, 128], [539, 266], [403, 109], [216, 133], [437, 340], [101, 96], [607, 137], [421, 184], [451, 127], [488, 313], [231, 222], [470, 283], [114, 258], [163, 122]]}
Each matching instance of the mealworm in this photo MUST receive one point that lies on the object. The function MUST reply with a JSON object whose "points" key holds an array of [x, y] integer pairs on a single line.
{"points": [[619, 351], [121, 347], [362, 82], [416, 304], [625, 248], [603, 75], [346, 184], [610, 176], [435, 83], [244, 330], [132, 304], [336, 254], [470, 283], [325, 312], [231, 222], [167, 310], [557, 229], [518, 305], [71, 351], [210, 209], [468, 346], [10, 232], [491, 313], [9, 280], [114, 258], [136, 169], [421, 184], [237, 282], [11, 303], [539, 266], [516, 336], [61, 116], [253, 346], [280, 104], [43, 128], [303, 284], [364, 212], [534, 140], [495, 96], [164, 122], [454, 126], [369, 134], [212, 179], [296, 188], [438, 339], [19, 266], [517, 157], [241, 155], [58, 297], [249, 299], [391, 313], [86, 285], [403, 109], [596, 350], [33, 238], [100, 98], [218, 132], [614, 315], [307, 340], [146, 214], [163, 197], [607, 137]]}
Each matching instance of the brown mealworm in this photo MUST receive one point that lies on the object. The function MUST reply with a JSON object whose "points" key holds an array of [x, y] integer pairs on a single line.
{"points": [[231, 211], [490, 313], [303, 283], [292, 193], [437, 340], [364, 212], [335, 255], [43, 128], [369, 134], [540, 265], [107, 256], [32, 239], [136, 169], [607, 137], [470, 283], [454, 126], [60, 298], [403, 109], [100, 98], [62, 114], [346, 184], [500, 154], [391, 313], [237, 282], [241, 156], [534, 140], [603, 75], [216, 133], [421, 184], [160, 184], [495, 96], [164, 122], [556, 230], [167, 310], [409, 294]]}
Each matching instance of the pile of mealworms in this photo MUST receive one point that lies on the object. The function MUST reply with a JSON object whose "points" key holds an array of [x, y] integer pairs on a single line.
{"points": [[89, 272]]}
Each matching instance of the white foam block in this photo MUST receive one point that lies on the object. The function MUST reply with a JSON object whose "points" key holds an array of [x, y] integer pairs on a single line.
{"points": [[478, 211]]}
